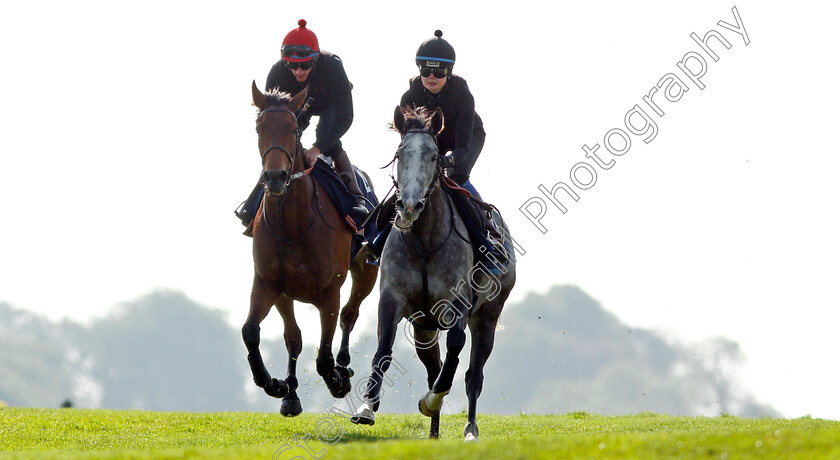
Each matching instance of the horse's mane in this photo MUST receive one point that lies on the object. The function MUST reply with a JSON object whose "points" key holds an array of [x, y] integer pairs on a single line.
{"points": [[277, 97], [415, 118]]}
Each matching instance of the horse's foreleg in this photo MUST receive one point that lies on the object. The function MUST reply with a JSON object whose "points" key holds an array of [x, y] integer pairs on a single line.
{"points": [[428, 350], [483, 334], [389, 318], [290, 406], [336, 378], [364, 278], [432, 401], [262, 297], [455, 340]]}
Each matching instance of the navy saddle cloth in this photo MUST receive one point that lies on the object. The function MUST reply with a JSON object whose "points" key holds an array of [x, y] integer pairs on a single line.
{"points": [[343, 200]]}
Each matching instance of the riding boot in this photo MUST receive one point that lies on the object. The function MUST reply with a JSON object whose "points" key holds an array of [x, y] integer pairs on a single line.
{"points": [[249, 208], [494, 237], [345, 172], [373, 249], [384, 218], [489, 224]]}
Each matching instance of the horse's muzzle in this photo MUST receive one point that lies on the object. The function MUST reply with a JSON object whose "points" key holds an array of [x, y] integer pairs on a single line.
{"points": [[410, 209], [275, 182]]}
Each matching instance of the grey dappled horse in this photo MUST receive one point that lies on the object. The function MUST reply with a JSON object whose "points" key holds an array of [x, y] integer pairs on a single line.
{"points": [[430, 277]]}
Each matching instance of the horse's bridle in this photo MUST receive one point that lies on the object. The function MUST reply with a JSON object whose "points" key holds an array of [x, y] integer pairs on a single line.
{"points": [[438, 159], [291, 177], [298, 147]]}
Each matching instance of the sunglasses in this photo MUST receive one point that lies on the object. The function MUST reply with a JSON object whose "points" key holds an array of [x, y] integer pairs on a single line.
{"points": [[438, 73], [298, 51], [306, 65]]}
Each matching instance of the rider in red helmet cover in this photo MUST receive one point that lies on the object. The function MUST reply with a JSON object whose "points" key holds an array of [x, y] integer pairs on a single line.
{"points": [[302, 63]]}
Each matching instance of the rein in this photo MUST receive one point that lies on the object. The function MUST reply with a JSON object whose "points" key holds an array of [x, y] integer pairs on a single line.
{"points": [[435, 179], [425, 255], [309, 226], [291, 178], [436, 183]]}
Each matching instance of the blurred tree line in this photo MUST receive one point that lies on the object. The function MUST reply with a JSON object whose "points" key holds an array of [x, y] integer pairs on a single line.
{"points": [[554, 353]]}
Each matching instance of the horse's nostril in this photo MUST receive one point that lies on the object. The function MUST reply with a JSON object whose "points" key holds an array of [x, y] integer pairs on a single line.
{"points": [[400, 204], [274, 176], [419, 206]]}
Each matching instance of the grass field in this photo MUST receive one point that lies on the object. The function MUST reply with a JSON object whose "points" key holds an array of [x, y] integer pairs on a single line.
{"points": [[105, 434]]}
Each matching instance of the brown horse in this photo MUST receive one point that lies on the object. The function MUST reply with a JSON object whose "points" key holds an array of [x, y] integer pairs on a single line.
{"points": [[301, 252]]}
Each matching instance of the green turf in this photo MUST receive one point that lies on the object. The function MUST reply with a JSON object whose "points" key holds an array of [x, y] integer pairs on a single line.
{"points": [[72, 434]]}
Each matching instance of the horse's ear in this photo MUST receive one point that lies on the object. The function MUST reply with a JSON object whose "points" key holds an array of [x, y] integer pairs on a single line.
{"points": [[399, 120], [297, 102], [259, 97], [437, 121]]}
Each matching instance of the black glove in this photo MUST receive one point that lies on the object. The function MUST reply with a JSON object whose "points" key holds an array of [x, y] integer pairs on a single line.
{"points": [[447, 161]]}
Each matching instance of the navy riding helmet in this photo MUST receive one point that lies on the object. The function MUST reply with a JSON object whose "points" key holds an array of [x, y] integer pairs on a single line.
{"points": [[435, 54]]}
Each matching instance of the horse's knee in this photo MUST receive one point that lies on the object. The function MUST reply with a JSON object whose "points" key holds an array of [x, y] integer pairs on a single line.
{"points": [[382, 364], [348, 318], [293, 345], [455, 339], [251, 334], [474, 381]]}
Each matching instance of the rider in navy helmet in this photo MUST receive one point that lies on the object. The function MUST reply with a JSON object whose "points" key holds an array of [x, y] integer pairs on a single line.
{"points": [[436, 87], [435, 52], [463, 134]]}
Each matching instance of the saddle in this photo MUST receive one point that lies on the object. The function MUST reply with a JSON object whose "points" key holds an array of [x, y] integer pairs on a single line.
{"points": [[335, 189], [326, 176], [467, 207], [470, 210]]}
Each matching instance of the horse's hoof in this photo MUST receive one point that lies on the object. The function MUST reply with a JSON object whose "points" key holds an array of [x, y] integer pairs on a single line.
{"points": [[350, 372], [471, 432], [290, 407], [277, 388], [363, 416], [343, 384], [344, 372], [423, 409], [431, 403], [434, 432]]}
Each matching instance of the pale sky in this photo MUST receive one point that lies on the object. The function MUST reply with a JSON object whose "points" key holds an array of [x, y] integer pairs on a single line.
{"points": [[128, 139]]}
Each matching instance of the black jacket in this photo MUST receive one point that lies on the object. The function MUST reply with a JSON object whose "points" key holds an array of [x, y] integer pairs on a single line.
{"points": [[460, 122], [330, 90]]}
